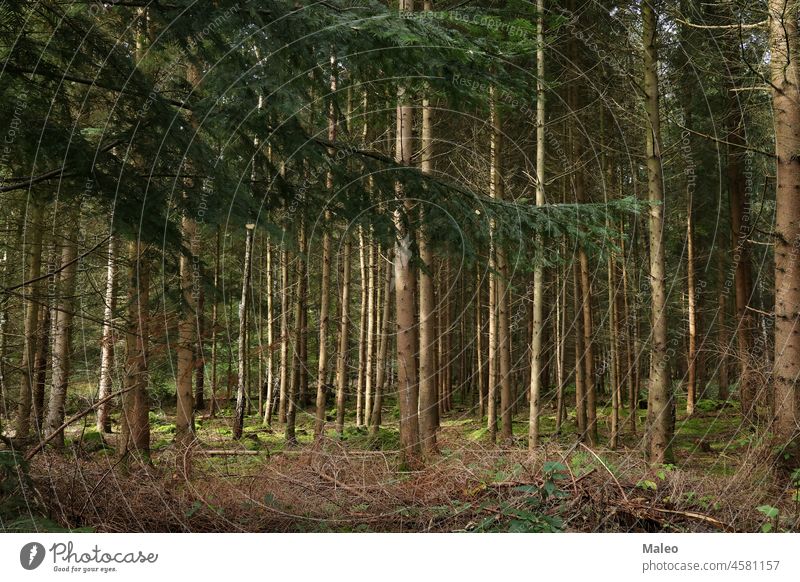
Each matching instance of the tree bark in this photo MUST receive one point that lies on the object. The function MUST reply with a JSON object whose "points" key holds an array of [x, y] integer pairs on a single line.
{"points": [[660, 405], [294, 397], [107, 350], [135, 422], [238, 419], [62, 343], [785, 80], [538, 272], [428, 391], [383, 348], [31, 315], [184, 421], [344, 323]]}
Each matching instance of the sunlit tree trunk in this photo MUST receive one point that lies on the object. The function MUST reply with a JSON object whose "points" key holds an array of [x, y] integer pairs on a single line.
{"points": [[238, 419], [270, 335], [344, 323], [428, 397], [691, 300], [284, 362], [361, 381], [538, 273], [107, 346]]}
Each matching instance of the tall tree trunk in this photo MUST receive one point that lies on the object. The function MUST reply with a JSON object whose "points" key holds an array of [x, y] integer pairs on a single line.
{"points": [[284, 363], [405, 290], [372, 326], [294, 396], [270, 336], [428, 397], [135, 419], [62, 343], [214, 322], [107, 349], [785, 80], [691, 356], [42, 356], [538, 269], [199, 349], [580, 381], [722, 336], [31, 292], [322, 360], [184, 420], [633, 396], [238, 419], [362, 331], [480, 361], [660, 404], [383, 348], [344, 323]]}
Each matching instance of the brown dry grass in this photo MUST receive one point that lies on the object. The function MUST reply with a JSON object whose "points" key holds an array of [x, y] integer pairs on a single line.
{"points": [[332, 488]]}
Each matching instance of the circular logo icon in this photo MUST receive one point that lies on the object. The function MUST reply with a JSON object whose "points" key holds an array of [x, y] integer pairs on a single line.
{"points": [[31, 555]]}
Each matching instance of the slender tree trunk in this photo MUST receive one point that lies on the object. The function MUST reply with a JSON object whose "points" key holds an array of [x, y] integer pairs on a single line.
{"points": [[722, 336], [271, 336], [135, 420], [184, 421], [31, 293], [107, 349], [344, 323], [322, 360], [372, 326], [62, 343], [660, 405], [580, 384], [298, 353], [633, 396], [214, 322], [480, 362], [785, 78], [383, 348], [691, 376], [42, 356], [238, 420], [538, 272], [362, 331], [428, 397], [199, 349], [284, 369]]}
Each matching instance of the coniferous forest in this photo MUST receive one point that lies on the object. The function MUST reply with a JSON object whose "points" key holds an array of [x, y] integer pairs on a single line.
{"points": [[370, 265]]}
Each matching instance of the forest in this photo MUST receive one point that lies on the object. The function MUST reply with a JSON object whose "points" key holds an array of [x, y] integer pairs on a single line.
{"points": [[399, 266]]}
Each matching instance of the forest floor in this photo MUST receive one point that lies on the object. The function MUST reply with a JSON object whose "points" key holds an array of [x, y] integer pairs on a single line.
{"points": [[722, 480]]}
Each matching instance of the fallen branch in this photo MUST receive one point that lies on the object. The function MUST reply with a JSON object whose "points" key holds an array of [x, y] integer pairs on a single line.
{"points": [[694, 515], [231, 452], [75, 418]]}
